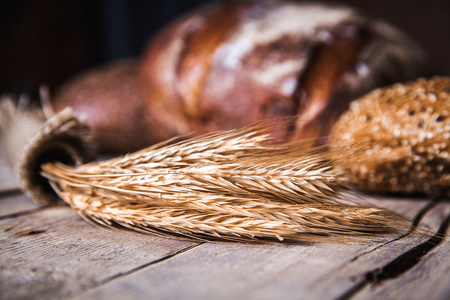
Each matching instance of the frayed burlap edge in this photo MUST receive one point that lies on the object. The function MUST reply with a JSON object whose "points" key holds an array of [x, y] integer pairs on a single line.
{"points": [[63, 138]]}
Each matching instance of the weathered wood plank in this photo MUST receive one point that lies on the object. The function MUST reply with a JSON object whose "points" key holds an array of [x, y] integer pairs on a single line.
{"points": [[354, 274], [430, 279], [228, 271], [53, 253], [234, 271], [14, 203], [240, 272]]}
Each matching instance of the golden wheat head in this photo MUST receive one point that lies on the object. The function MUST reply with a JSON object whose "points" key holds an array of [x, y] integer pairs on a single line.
{"points": [[235, 185]]}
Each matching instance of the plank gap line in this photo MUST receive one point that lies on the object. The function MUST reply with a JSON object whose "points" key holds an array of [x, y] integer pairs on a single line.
{"points": [[400, 264], [124, 274], [23, 213], [413, 227]]}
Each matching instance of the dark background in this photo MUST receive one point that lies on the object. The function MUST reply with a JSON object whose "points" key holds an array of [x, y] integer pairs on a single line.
{"points": [[47, 41]]}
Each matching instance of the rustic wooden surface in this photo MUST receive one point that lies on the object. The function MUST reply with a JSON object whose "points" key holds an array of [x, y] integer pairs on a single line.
{"points": [[51, 253]]}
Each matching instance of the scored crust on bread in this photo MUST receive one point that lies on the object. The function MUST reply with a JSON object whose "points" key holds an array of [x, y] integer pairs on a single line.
{"points": [[234, 63]]}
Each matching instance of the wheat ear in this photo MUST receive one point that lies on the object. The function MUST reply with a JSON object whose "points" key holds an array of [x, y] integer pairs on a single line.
{"points": [[225, 186]]}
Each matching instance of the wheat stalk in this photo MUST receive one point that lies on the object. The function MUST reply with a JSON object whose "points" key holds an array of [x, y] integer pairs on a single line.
{"points": [[227, 186]]}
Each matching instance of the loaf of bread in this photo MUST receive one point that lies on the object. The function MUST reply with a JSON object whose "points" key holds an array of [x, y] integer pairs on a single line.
{"points": [[234, 63], [111, 100], [402, 138]]}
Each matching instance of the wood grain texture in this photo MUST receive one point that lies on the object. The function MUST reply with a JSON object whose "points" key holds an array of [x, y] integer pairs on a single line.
{"points": [[16, 203], [236, 271], [429, 279], [232, 272], [53, 253], [375, 270]]}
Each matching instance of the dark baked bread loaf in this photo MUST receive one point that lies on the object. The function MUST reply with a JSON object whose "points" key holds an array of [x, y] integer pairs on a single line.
{"points": [[236, 62], [110, 98]]}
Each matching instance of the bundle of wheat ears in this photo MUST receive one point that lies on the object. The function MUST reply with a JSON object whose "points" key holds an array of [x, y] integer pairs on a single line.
{"points": [[233, 185]]}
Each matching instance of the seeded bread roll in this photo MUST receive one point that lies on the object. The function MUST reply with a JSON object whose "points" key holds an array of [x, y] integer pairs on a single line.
{"points": [[405, 130]]}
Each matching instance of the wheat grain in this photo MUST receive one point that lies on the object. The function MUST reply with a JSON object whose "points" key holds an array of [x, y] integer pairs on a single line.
{"points": [[228, 186]]}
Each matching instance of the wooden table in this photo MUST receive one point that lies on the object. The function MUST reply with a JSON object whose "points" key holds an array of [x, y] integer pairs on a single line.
{"points": [[51, 253]]}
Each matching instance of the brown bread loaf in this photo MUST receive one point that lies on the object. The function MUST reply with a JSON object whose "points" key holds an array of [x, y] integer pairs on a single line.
{"points": [[238, 62], [233, 63], [110, 98]]}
